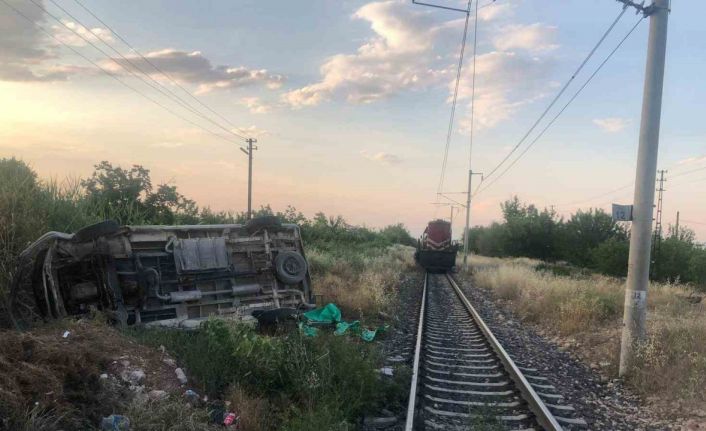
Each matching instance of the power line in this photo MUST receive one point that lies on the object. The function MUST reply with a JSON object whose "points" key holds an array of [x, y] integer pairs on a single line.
{"points": [[590, 78], [455, 98], [600, 195], [630, 185], [159, 86], [473, 84], [160, 71], [556, 98], [689, 172], [112, 75]]}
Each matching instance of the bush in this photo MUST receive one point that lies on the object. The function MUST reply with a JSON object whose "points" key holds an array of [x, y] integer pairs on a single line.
{"points": [[588, 239], [326, 379], [611, 257]]}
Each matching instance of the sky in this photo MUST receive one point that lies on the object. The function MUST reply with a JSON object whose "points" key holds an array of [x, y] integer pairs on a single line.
{"points": [[350, 102]]}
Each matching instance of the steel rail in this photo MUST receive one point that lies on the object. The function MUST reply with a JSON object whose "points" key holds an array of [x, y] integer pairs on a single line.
{"points": [[542, 414], [409, 424]]}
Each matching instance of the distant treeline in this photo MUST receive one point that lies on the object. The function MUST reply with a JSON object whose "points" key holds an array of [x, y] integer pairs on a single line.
{"points": [[587, 239], [30, 207]]}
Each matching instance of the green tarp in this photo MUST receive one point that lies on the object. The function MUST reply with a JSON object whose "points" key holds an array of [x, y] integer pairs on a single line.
{"points": [[331, 314]]}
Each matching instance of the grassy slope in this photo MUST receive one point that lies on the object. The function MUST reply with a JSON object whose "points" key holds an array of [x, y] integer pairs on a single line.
{"points": [[587, 310]]}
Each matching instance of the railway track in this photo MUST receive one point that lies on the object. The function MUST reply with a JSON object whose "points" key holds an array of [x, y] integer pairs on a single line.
{"points": [[464, 379]]}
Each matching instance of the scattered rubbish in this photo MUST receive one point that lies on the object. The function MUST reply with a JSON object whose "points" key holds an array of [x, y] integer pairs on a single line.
{"points": [[191, 396], [103, 376], [66, 334], [115, 423], [387, 371], [169, 361], [231, 419], [136, 376], [181, 376], [331, 314], [157, 395], [396, 358], [379, 422]]}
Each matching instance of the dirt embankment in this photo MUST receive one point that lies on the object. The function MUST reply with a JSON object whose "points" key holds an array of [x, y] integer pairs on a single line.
{"points": [[69, 375]]}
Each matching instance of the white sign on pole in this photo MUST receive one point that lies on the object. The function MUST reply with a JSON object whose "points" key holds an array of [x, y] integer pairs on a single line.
{"points": [[622, 212]]}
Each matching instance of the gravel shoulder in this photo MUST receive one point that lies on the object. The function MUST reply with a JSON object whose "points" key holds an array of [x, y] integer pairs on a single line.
{"points": [[604, 404]]}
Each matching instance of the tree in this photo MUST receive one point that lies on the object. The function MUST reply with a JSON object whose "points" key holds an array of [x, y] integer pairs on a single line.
{"points": [[611, 257], [583, 232], [528, 231], [397, 234], [697, 267], [127, 195], [116, 186]]}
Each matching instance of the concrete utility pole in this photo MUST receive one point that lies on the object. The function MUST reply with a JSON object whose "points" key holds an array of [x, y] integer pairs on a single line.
{"points": [[676, 226], [249, 151], [466, 241], [640, 235], [451, 219]]}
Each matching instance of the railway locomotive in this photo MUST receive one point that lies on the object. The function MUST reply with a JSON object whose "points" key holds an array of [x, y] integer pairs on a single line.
{"points": [[436, 251]]}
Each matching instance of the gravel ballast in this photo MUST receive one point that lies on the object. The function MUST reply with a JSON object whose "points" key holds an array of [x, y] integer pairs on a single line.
{"points": [[604, 404]]}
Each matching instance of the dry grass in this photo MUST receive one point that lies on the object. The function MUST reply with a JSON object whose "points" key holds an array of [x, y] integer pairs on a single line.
{"points": [[362, 287], [255, 412], [170, 414], [588, 311]]}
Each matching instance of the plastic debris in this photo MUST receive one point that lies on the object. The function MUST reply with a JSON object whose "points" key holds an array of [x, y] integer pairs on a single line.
{"points": [[66, 334], [136, 376], [387, 371], [181, 376], [191, 396], [331, 314], [115, 423], [231, 419], [157, 395]]}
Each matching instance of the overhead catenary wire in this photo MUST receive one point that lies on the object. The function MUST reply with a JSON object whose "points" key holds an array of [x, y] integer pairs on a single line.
{"points": [[154, 66], [112, 75], [632, 184], [556, 98], [156, 86], [449, 132], [473, 86], [561, 111]]}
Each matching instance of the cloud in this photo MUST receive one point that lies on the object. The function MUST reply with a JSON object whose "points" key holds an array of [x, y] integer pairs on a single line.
{"points": [[493, 12], [403, 55], [383, 158], [24, 47], [611, 124], [535, 37], [194, 68], [251, 131], [512, 74], [692, 160], [505, 81], [77, 35], [398, 57], [256, 105]]}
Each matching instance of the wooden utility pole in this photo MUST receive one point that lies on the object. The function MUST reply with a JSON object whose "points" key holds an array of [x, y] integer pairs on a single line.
{"points": [[635, 311]]}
